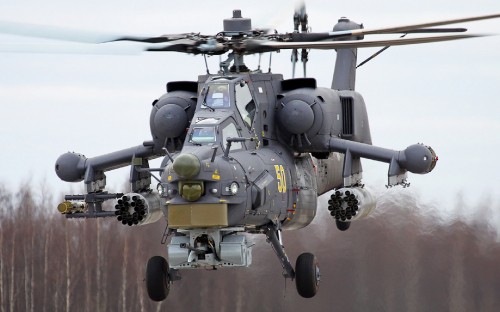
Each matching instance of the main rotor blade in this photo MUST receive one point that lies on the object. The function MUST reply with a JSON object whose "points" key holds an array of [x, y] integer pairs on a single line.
{"points": [[56, 33], [434, 30], [181, 45], [70, 48], [158, 39], [301, 37], [254, 46], [410, 27]]}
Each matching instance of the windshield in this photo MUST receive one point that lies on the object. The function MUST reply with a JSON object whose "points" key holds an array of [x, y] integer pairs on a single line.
{"points": [[217, 95], [200, 135]]}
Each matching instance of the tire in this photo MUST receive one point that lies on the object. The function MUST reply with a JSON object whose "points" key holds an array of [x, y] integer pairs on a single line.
{"points": [[157, 280], [307, 275], [342, 226]]}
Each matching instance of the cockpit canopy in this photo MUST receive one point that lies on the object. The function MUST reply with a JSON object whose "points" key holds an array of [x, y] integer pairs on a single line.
{"points": [[214, 131], [227, 93]]}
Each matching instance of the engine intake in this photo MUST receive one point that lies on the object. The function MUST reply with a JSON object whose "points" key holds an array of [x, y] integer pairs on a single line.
{"points": [[170, 117], [299, 118]]}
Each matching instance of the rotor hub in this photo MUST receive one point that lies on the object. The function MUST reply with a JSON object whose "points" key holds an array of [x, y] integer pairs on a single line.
{"points": [[346, 24], [236, 25]]}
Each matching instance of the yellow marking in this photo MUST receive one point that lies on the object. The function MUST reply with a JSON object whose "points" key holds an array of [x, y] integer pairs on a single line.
{"points": [[216, 175], [169, 178], [281, 177], [190, 216]]}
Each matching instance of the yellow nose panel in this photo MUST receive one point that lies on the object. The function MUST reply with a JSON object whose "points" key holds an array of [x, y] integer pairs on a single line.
{"points": [[188, 216]]}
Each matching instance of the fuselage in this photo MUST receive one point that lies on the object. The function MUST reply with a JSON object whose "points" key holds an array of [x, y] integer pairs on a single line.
{"points": [[267, 171]]}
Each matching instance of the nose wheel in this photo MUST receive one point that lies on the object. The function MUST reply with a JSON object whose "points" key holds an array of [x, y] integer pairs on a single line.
{"points": [[157, 278]]}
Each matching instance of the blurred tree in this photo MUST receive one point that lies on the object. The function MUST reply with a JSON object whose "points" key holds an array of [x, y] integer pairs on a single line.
{"points": [[404, 258]]}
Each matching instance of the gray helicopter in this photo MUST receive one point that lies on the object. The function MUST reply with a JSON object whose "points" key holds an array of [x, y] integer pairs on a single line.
{"points": [[247, 151]]}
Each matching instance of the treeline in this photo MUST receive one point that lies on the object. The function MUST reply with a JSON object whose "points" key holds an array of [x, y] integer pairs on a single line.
{"points": [[403, 259]]}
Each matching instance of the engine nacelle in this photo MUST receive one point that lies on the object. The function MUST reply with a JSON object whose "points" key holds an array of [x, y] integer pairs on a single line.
{"points": [[299, 118], [308, 117], [172, 114], [138, 209], [351, 203]]}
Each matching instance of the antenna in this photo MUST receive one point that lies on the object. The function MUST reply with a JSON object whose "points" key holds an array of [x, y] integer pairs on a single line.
{"points": [[270, 59], [206, 64]]}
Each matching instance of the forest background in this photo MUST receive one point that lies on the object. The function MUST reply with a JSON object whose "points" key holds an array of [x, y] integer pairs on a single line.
{"points": [[403, 258]]}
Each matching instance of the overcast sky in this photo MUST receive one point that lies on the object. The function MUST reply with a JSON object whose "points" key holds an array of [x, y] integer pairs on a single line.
{"points": [[443, 94]]}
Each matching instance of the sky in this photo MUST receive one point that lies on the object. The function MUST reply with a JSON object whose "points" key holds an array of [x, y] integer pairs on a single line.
{"points": [[445, 95]]}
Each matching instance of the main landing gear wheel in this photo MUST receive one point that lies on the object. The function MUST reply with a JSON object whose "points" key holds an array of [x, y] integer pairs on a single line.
{"points": [[157, 279], [342, 226], [307, 275]]}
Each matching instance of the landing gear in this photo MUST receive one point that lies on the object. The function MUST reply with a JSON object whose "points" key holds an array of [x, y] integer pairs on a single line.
{"points": [[306, 270], [157, 278], [307, 275], [342, 226]]}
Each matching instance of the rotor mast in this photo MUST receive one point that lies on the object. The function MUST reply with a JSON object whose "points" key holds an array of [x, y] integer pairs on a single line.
{"points": [[236, 28]]}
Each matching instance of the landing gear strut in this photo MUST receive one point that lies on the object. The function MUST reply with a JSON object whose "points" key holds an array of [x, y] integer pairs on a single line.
{"points": [[306, 271]]}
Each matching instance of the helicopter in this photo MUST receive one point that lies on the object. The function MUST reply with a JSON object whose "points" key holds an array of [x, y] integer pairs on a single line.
{"points": [[249, 152]]}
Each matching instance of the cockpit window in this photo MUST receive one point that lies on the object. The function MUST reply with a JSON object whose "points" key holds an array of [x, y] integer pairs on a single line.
{"points": [[207, 120], [217, 95], [201, 135], [230, 131], [245, 103]]}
